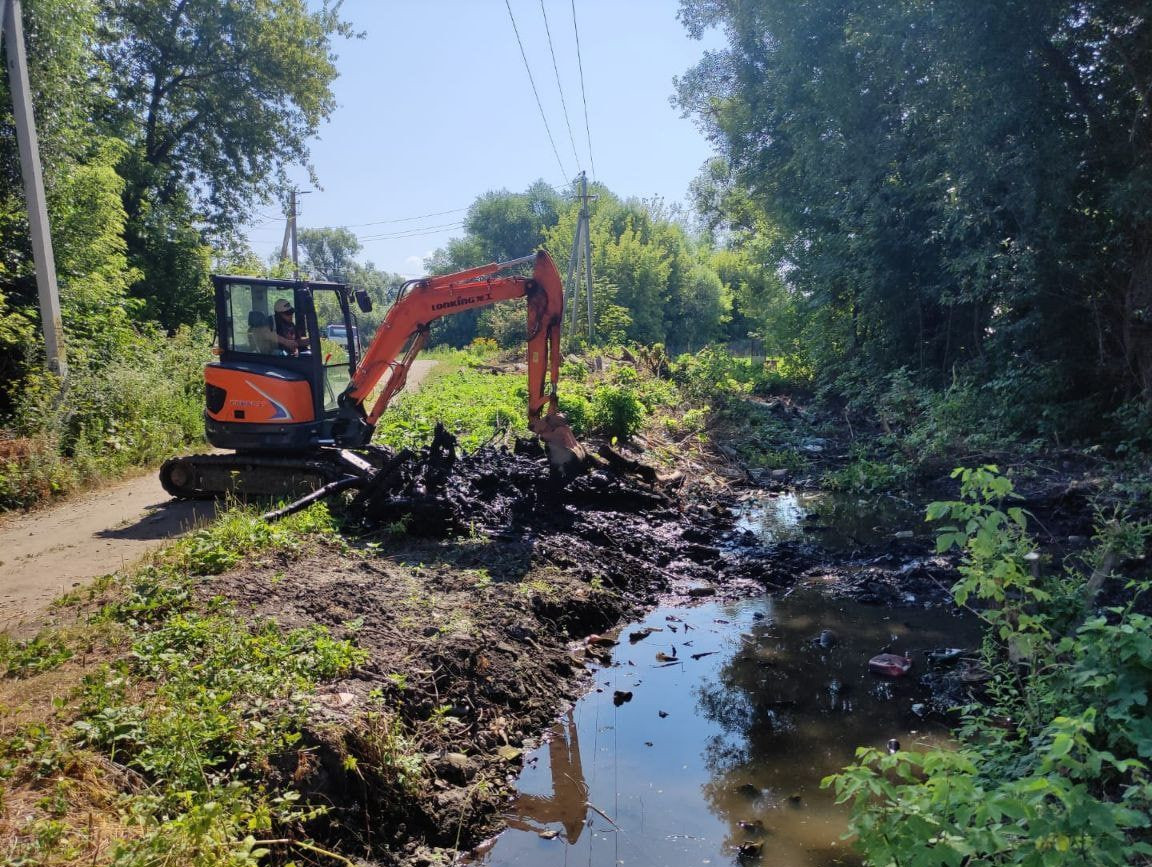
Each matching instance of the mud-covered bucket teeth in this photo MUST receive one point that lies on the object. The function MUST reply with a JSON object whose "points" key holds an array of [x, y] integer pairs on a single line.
{"points": [[565, 454]]}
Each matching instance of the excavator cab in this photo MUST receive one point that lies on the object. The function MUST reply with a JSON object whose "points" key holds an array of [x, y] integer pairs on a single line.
{"points": [[279, 374]]}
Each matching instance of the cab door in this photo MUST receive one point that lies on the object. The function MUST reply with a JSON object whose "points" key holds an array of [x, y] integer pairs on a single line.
{"points": [[338, 356]]}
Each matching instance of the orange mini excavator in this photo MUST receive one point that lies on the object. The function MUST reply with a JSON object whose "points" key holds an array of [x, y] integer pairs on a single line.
{"points": [[291, 403]]}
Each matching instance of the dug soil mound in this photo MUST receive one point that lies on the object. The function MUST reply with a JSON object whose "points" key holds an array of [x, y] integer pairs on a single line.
{"points": [[481, 588]]}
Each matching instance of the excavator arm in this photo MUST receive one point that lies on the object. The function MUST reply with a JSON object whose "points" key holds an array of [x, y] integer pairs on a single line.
{"points": [[404, 330]]}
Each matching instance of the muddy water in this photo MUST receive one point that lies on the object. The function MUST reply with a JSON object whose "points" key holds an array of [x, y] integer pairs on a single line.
{"points": [[714, 730], [736, 714]]}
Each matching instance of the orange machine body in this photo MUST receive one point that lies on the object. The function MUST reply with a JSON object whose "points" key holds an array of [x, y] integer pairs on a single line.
{"points": [[261, 397], [255, 396]]}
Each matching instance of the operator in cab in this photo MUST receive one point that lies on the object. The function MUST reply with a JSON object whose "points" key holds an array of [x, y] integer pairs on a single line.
{"points": [[288, 339]]}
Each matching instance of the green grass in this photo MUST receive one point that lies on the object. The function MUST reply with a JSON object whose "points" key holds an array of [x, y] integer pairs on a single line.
{"points": [[111, 415], [192, 702], [474, 405]]}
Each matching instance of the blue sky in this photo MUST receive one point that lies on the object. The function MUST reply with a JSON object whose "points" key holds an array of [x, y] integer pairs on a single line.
{"points": [[436, 108]]}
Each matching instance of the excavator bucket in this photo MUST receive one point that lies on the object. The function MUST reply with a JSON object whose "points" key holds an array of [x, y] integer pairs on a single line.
{"points": [[565, 454]]}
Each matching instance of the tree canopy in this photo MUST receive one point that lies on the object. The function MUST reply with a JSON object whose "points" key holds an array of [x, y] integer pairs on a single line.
{"points": [[947, 182], [214, 100]]}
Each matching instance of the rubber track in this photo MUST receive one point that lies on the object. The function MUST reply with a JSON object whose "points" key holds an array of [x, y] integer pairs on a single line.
{"points": [[207, 477]]}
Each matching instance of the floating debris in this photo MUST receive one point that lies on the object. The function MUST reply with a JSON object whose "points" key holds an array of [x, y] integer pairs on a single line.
{"points": [[641, 634], [749, 850], [943, 655], [890, 665]]}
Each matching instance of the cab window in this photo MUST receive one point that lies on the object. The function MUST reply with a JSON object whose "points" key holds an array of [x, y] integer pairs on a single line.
{"points": [[251, 324]]}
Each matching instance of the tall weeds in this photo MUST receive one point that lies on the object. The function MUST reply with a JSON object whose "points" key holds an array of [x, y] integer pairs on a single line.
{"points": [[133, 405]]}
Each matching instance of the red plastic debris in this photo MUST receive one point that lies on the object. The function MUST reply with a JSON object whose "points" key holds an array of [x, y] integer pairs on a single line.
{"points": [[890, 665]]}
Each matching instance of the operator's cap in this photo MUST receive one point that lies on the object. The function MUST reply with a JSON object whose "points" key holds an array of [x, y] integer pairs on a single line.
{"points": [[282, 306]]}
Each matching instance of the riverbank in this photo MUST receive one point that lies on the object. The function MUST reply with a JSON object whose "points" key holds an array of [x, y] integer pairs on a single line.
{"points": [[366, 692]]}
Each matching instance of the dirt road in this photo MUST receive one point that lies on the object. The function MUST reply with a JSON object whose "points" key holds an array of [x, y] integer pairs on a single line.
{"points": [[50, 551]]}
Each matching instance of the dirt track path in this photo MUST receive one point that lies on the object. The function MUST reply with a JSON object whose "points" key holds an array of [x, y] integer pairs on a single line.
{"points": [[50, 551]]}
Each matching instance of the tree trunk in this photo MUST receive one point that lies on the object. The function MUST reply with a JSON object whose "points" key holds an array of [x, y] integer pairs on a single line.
{"points": [[1138, 322]]}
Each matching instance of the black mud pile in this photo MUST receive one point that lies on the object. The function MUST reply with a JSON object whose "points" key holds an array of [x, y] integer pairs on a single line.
{"points": [[619, 529]]}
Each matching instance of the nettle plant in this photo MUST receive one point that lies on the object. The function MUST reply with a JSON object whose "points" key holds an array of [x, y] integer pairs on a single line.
{"points": [[1051, 766]]}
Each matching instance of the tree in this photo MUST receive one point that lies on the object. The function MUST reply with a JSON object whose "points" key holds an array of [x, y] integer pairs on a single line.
{"points": [[951, 183], [84, 205], [510, 225], [329, 252], [215, 99], [500, 226]]}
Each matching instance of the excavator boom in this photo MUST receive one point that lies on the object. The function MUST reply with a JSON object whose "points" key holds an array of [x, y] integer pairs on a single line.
{"points": [[405, 328]]}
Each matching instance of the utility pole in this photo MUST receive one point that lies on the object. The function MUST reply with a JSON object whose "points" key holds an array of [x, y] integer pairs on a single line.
{"points": [[581, 249], [290, 232], [295, 250], [284, 243], [43, 258]]}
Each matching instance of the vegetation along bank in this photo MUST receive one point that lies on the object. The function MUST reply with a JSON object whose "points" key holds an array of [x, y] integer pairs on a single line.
{"points": [[925, 232]]}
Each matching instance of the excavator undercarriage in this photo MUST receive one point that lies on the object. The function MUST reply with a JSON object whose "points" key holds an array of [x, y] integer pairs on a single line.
{"points": [[205, 477]]}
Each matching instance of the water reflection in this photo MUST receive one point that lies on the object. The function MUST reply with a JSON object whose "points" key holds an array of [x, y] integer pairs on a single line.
{"points": [[568, 803], [835, 521], [724, 746]]}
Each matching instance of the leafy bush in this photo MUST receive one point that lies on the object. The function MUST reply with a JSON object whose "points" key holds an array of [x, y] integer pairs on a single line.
{"points": [[1053, 769], [482, 347], [865, 475], [573, 370], [617, 411], [577, 409], [111, 414], [712, 375]]}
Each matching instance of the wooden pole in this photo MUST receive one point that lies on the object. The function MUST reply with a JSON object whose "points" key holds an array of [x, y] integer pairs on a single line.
{"points": [[43, 258]]}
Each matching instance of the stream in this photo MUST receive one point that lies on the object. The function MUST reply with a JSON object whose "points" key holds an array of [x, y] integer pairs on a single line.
{"points": [[706, 737]]}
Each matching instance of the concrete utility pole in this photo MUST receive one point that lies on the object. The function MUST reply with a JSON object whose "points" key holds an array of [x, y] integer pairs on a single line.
{"points": [[581, 249], [290, 232], [295, 250], [29, 147]]}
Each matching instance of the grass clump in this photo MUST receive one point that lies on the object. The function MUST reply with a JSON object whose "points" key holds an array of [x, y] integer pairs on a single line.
{"points": [[113, 413], [44, 652]]}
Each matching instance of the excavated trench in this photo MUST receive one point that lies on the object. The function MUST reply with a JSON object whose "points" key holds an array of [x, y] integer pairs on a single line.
{"points": [[486, 593]]}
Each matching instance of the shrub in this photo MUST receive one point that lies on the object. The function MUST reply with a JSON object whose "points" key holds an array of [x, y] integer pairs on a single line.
{"points": [[1053, 769], [136, 406], [713, 375], [577, 410], [617, 411], [482, 347]]}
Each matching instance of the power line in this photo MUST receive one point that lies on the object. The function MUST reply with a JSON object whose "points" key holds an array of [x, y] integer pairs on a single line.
{"points": [[411, 233], [535, 92], [559, 87], [397, 220], [583, 95]]}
